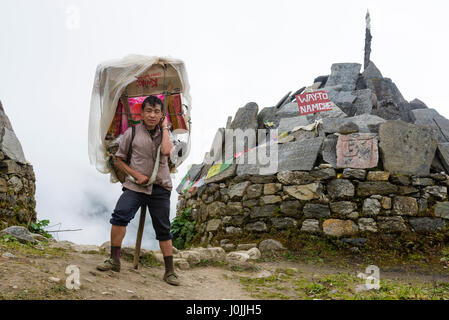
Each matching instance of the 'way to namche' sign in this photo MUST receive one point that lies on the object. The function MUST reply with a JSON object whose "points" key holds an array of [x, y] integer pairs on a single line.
{"points": [[312, 102]]}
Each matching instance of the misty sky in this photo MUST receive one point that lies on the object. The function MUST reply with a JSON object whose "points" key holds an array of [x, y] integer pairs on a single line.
{"points": [[235, 52]]}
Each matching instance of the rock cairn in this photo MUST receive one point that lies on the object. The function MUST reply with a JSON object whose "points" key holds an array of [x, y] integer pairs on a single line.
{"points": [[375, 164]]}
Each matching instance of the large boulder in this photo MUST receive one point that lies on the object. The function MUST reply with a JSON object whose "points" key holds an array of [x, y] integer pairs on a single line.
{"points": [[385, 90], [417, 104], [295, 155], [338, 96], [407, 148], [371, 73], [243, 130], [431, 118], [10, 144], [390, 104], [363, 102], [299, 155], [344, 74], [357, 150], [366, 122], [20, 233], [246, 117], [289, 110]]}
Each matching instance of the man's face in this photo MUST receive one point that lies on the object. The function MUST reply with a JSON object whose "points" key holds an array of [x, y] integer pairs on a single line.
{"points": [[151, 115]]}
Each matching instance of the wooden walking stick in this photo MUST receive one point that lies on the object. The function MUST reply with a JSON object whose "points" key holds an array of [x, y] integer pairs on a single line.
{"points": [[139, 236]]}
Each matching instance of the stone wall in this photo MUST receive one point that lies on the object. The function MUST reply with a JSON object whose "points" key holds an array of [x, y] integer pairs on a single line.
{"points": [[17, 179], [333, 203]]}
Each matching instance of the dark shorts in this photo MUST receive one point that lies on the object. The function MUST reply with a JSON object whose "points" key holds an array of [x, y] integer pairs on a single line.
{"points": [[158, 204]]}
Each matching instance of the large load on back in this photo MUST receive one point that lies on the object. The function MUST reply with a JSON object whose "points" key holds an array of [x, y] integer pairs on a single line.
{"points": [[120, 86]]}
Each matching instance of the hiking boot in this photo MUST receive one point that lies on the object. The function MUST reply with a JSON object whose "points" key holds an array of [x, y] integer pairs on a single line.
{"points": [[109, 264], [171, 278]]}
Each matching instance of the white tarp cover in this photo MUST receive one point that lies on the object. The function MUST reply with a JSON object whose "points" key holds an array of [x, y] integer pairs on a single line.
{"points": [[111, 78]]}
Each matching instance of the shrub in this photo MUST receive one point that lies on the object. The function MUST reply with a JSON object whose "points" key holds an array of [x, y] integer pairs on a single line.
{"points": [[39, 228], [183, 229]]}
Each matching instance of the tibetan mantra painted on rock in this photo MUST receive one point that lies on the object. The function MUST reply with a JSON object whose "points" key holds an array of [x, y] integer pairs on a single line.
{"points": [[357, 150]]}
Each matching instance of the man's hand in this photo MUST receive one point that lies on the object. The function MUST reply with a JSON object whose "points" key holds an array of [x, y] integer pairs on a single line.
{"points": [[141, 178], [167, 145], [164, 122]]}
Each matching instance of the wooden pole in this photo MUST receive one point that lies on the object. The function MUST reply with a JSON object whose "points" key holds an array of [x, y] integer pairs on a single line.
{"points": [[368, 38], [139, 236]]}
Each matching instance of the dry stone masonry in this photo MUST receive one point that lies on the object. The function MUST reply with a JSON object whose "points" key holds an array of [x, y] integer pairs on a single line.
{"points": [[376, 164], [17, 179]]}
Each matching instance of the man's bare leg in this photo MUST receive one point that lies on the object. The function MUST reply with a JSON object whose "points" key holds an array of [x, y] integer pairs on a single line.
{"points": [[166, 247], [117, 235]]}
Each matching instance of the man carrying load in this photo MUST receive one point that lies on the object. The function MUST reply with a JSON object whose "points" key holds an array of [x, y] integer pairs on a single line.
{"points": [[149, 134]]}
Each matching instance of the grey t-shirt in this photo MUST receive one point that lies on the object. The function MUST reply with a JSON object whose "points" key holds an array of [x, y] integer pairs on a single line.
{"points": [[143, 158]]}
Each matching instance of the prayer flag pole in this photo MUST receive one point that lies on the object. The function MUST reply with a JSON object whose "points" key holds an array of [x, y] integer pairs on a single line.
{"points": [[368, 38]]}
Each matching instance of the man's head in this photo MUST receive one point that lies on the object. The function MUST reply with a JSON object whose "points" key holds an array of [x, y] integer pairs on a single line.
{"points": [[151, 111]]}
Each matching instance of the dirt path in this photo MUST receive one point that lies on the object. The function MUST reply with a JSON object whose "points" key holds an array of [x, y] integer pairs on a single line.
{"points": [[33, 273], [28, 274]]}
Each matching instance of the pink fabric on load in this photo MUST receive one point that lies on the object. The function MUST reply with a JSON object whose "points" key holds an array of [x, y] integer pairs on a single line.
{"points": [[135, 107]]}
